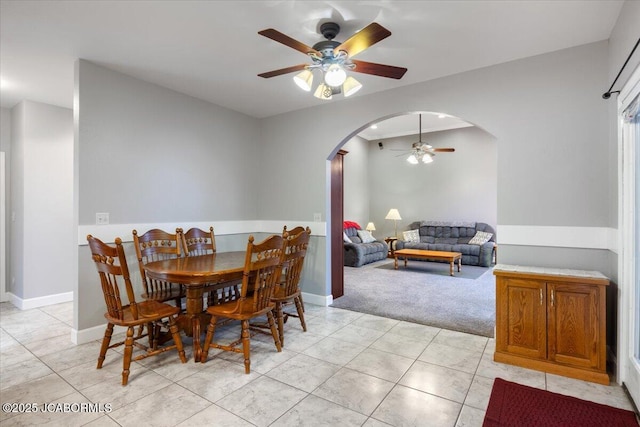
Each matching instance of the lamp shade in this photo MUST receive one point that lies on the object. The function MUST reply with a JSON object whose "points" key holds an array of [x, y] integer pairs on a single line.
{"points": [[370, 227], [412, 159], [351, 86], [393, 214], [304, 80], [427, 158], [323, 92]]}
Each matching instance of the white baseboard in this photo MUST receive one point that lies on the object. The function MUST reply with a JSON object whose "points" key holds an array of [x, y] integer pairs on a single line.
{"points": [[84, 336], [29, 303], [317, 299]]}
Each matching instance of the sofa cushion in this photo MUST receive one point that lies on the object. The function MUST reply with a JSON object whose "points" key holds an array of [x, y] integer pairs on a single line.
{"points": [[427, 239], [446, 240], [480, 238], [411, 236], [366, 236]]}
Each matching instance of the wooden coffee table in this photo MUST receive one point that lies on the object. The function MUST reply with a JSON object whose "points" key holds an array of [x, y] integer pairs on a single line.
{"points": [[451, 257]]}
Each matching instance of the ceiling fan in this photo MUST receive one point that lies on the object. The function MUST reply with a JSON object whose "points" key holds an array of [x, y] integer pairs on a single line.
{"points": [[333, 59], [421, 151]]}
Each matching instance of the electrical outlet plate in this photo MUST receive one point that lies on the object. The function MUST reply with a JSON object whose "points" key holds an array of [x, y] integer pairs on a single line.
{"points": [[102, 218], [317, 217]]}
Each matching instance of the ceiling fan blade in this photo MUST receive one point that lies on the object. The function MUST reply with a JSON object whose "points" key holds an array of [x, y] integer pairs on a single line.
{"points": [[288, 41], [368, 36], [379, 69], [281, 71], [443, 150]]}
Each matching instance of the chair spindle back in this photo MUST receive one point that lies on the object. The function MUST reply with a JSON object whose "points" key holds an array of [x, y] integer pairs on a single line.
{"points": [[113, 270], [155, 245], [198, 242], [262, 270], [295, 249]]}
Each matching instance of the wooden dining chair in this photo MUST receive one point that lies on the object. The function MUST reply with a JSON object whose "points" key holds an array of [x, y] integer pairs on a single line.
{"points": [[111, 264], [199, 242], [288, 290], [294, 232], [156, 245], [290, 234], [261, 274]]}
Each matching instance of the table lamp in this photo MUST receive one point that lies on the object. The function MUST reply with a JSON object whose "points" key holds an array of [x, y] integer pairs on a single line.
{"points": [[395, 216], [370, 227]]}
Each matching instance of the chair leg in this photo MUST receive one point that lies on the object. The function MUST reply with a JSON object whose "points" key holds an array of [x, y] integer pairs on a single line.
{"points": [[274, 331], [128, 352], [211, 329], [105, 344], [175, 333], [300, 308], [301, 303], [153, 340], [280, 316], [246, 345]]}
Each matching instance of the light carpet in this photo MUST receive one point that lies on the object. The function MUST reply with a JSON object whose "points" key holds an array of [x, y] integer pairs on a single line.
{"points": [[437, 268], [455, 303]]}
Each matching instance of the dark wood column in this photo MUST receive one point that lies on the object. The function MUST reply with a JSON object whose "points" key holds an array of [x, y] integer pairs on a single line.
{"points": [[337, 217]]}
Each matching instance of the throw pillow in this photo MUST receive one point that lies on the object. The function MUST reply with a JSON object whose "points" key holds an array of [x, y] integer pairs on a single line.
{"points": [[412, 236], [346, 238], [366, 236], [480, 238]]}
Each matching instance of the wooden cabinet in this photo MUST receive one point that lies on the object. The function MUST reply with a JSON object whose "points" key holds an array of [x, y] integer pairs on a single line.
{"points": [[552, 320]]}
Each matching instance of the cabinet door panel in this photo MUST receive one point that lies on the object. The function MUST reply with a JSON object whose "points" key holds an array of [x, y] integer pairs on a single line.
{"points": [[573, 324], [521, 317]]}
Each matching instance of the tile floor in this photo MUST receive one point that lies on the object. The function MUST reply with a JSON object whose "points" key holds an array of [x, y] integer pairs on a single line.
{"points": [[349, 369]]}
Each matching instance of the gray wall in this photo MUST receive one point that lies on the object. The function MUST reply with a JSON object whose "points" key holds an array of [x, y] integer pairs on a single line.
{"points": [[357, 184], [41, 251], [140, 143]]}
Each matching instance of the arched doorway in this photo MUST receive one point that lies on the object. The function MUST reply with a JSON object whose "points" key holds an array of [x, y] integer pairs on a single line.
{"points": [[397, 184]]}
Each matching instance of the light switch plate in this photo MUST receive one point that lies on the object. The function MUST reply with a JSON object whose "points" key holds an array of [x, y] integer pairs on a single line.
{"points": [[102, 218]]}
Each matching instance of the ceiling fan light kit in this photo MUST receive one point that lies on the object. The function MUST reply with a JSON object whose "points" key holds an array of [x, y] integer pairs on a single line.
{"points": [[333, 60]]}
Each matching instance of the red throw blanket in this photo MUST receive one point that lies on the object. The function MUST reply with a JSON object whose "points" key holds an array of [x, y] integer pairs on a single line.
{"points": [[351, 224]]}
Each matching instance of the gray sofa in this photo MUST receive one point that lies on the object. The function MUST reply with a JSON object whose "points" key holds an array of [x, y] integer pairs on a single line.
{"points": [[357, 254], [453, 237]]}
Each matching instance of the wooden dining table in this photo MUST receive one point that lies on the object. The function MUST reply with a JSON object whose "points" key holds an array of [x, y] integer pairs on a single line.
{"points": [[198, 274]]}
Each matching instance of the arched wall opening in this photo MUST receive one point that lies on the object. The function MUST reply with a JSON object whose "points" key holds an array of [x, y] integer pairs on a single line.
{"points": [[458, 186]]}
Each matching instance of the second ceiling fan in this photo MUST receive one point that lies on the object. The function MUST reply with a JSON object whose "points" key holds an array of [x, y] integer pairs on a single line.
{"points": [[334, 59], [421, 151]]}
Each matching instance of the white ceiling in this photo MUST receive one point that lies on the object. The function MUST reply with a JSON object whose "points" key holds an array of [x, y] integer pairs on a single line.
{"points": [[211, 49], [409, 124]]}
